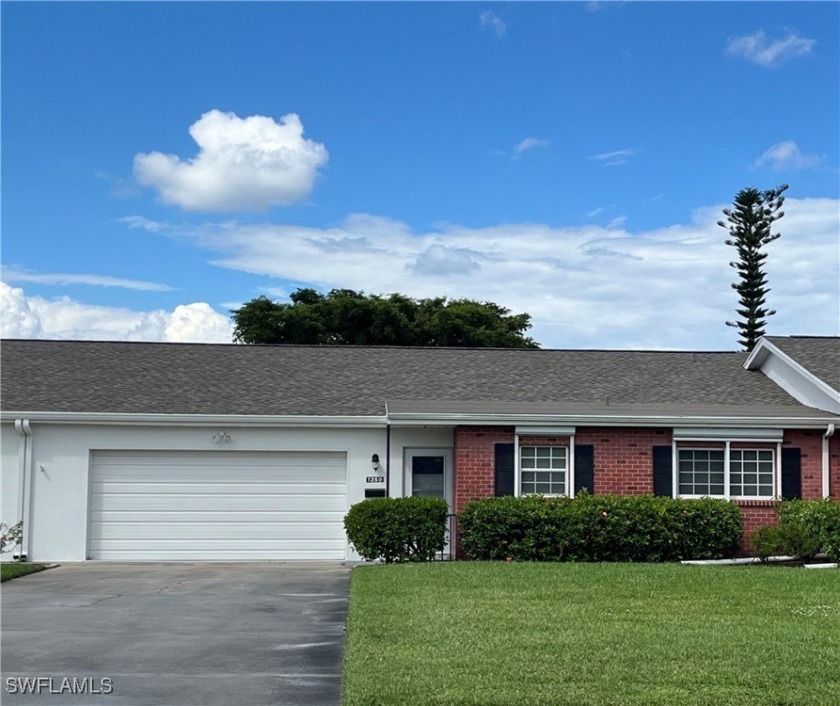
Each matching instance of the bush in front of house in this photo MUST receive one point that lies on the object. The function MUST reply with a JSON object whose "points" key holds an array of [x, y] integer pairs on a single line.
{"points": [[810, 527], [599, 528], [397, 529]]}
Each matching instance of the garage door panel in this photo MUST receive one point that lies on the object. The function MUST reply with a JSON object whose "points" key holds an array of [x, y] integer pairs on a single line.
{"points": [[220, 503], [204, 474], [250, 531], [222, 488], [211, 459], [221, 554], [148, 505], [220, 518]]}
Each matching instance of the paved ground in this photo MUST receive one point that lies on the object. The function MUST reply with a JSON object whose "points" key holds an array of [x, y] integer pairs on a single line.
{"points": [[204, 634]]}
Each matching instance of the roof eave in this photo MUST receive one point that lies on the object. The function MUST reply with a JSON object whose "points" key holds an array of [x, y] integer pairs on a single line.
{"points": [[474, 419], [197, 420]]}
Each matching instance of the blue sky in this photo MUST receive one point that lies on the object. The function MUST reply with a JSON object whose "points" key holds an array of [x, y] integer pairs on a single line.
{"points": [[164, 162]]}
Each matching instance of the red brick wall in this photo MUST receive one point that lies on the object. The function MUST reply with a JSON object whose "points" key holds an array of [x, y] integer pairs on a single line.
{"points": [[755, 514], [623, 457], [811, 444], [834, 465], [475, 461]]}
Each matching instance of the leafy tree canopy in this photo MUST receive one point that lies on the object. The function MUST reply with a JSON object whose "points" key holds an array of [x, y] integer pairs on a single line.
{"points": [[347, 317]]}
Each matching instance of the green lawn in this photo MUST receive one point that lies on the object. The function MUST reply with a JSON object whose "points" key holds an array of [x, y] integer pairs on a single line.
{"points": [[580, 634], [12, 571]]}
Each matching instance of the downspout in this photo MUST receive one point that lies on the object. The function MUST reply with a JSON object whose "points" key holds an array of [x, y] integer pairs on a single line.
{"points": [[826, 488], [25, 481], [387, 453]]}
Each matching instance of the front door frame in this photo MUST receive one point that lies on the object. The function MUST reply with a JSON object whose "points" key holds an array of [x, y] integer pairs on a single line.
{"points": [[410, 452]]}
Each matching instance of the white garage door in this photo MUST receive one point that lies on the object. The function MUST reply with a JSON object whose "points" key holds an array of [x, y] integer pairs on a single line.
{"points": [[162, 505]]}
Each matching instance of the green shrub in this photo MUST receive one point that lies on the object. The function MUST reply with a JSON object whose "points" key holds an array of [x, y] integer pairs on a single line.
{"points": [[397, 529], [813, 526], [768, 541], [599, 528]]}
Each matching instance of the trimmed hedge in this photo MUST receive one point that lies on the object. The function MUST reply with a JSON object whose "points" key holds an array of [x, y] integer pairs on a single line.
{"points": [[817, 522], [599, 528], [397, 529]]}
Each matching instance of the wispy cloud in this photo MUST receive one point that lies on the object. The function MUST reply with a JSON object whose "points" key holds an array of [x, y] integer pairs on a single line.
{"points": [[786, 155], [243, 164], [594, 212], [575, 275], [529, 143], [617, 222], [614, 158], [598, 5], [759, 49], [490, 20], [66, 280]]}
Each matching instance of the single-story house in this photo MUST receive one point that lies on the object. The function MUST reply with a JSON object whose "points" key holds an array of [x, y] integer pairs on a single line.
{"points": [[159, 451]]}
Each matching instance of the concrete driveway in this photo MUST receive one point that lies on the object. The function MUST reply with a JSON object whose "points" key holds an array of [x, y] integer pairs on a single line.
{"points": [[242, 634]]}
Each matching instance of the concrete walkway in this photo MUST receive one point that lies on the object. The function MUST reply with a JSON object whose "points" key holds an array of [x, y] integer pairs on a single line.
{"points": [[232, 634]]}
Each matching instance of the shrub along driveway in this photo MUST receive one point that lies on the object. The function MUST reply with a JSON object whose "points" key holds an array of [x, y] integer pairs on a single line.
{"points": [[247, 634]]}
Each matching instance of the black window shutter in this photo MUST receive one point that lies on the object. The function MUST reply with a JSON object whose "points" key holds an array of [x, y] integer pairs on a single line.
{"points": [[663, 471], [584, 468], [504, 469], [791, 474]]}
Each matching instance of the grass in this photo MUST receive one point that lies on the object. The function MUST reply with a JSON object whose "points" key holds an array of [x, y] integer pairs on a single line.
{"points": [[14, 570], [592, 634]]}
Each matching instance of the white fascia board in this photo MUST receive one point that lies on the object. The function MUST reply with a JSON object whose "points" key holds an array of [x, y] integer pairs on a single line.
{"points": [[545, 430], [764, 349], [197, 420], [451, 419], [767, 434]]}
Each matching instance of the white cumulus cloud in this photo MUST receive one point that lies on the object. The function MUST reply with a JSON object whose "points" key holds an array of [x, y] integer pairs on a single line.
{"points": [[66, 318], [249, 163], [786, 155], [759, 49], [197, 322], [17, 320]]}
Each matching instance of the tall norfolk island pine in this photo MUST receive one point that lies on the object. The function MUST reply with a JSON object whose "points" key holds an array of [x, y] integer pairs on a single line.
{"points": [[750, 221]]}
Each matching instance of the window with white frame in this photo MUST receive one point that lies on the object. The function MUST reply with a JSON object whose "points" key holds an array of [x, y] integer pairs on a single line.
{"points": [[543, 469], [751, 473], [703, 472]]}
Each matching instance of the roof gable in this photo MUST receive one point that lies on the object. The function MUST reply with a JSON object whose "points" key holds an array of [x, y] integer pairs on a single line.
{"points": [[807, 367]]}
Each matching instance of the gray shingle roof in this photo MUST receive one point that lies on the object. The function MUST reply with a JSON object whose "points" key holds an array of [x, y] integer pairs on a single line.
{"points": [[171, 378], [820, 355]]}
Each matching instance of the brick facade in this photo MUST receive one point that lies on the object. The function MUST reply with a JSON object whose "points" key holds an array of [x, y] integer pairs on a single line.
{"points": [[811, 444], [834, 465], [624, 463], [623, 457], [755, 514], [475, 461]]}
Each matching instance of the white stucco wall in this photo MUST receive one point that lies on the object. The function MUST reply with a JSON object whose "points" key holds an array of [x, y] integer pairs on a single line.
{"points": [[433, 437], [62, 457]]}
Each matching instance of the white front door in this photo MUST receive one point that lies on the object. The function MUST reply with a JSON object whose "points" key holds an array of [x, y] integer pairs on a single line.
{"points": [[428, 473]]}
